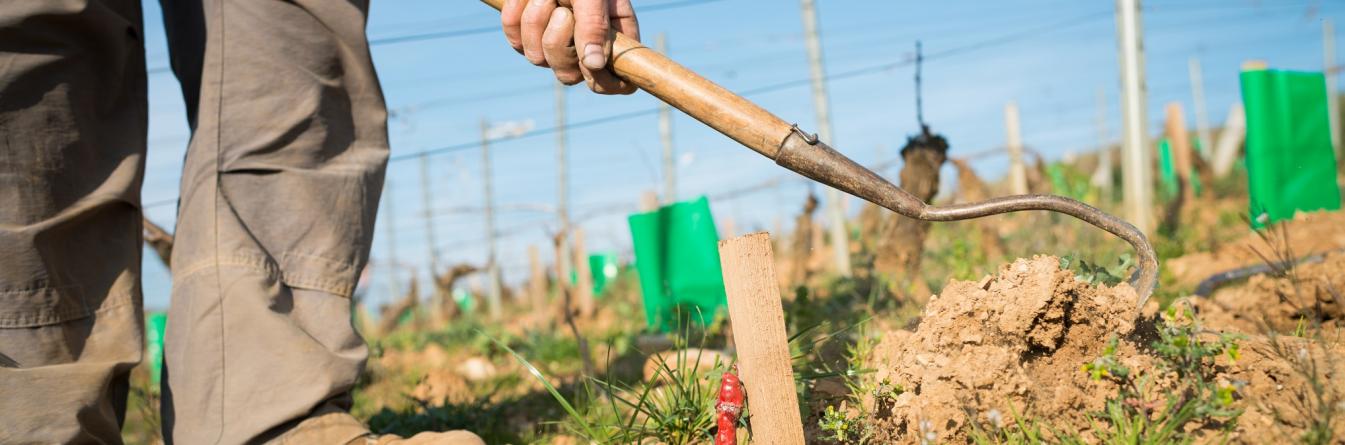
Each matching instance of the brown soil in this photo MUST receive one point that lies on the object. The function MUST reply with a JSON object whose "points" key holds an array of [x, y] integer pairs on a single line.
{"points": [[1015, 343], [1308, 234], [1311, 292]]}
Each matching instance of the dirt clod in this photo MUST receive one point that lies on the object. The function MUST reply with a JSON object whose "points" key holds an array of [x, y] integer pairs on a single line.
{"points": [[984, 346], [1013, 345]]}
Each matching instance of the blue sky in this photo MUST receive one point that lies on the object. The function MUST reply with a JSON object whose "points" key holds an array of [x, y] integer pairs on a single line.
{"points": [[1050, 56]]}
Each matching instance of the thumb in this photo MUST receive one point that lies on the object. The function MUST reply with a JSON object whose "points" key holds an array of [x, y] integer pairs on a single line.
{"points": [[590, 32]]}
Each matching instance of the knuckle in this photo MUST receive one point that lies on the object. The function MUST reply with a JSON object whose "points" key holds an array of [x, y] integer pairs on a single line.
{"points": [[569, 77], [596, 25], [592, 17], [534, 19], [554, 42]]}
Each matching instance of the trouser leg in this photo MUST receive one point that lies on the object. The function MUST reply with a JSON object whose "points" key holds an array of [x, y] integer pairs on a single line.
{"points": [[279, 192], [72, 146]]}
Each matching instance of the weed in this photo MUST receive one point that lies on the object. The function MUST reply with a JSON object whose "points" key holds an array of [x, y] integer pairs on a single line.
{"points": [[886, 392], [854, 425], [1093, 273], [1280, 255], [482, 416], [1023, 431], [1107, 365], [675, 407], [841, 427], [1138, 416], [1320, 403]]}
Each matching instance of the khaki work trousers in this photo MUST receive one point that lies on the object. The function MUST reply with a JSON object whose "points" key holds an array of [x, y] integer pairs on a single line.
{"points": [[278, 197]]}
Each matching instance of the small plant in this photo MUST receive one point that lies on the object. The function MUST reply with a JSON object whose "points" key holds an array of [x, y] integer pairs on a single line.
{"points": [[1138, 415], [1280, 257], [1022, 431], [886, 392], [1095, 274], [1107, 366], [853, 425], [840, 426]]}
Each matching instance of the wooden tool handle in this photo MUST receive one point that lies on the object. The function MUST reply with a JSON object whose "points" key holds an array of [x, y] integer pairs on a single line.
{"points": [[762, 131], [698, 97]]}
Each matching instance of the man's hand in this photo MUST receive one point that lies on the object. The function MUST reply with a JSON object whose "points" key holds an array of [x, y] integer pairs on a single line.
{"points": [[570, 37]]}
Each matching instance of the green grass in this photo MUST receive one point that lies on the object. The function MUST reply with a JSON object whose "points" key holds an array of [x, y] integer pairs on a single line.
{"points": [[675, 407]]}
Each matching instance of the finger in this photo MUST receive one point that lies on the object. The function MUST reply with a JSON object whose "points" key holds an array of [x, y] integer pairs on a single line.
{"points": [[604, 82], [535, 17], [623, 18], [558, 48], [590, 32], [511, 17]]}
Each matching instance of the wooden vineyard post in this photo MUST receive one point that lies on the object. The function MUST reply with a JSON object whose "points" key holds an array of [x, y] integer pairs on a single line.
{"points": [[758, 321], [537, 283], [583, 283], [1180, 145]]}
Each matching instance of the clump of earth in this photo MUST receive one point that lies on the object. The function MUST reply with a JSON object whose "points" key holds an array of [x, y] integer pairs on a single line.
{"points": [[1012, 346]]}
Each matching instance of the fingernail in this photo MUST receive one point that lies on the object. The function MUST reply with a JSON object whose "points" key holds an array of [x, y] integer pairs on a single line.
{"points": [[593, 57], [541, 2]]}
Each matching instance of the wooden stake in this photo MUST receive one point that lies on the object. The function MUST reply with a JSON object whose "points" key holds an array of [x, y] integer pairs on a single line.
{"points": [[1014, 136], [649, 201], [1180, 144], [1136, 154], [758, 323], [835, 211], [583, 283], [1230, 140], [537, 283]]}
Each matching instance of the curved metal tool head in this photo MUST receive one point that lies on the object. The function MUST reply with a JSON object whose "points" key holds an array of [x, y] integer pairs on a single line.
{"points": [[820, 162]]}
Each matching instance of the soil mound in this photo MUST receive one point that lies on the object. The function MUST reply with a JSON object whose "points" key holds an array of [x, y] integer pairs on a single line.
{"points": [[1014, 344], [1308, 233], [1311, 292], [1017, 339]]}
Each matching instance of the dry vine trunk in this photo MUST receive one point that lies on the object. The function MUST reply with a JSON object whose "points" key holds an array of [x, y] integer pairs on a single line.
{"points": [[160, 240], [971, 188], [1038, 180], [392, 316], [903, 239], [443, 287], [802, 246], [568, 312], [871, 219]]}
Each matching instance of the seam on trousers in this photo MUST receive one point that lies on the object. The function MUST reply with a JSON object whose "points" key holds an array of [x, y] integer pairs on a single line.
{"points": [[319, 273], [249, 261], [302, 280], [215, 197], [115, 300], [28, 316]]}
